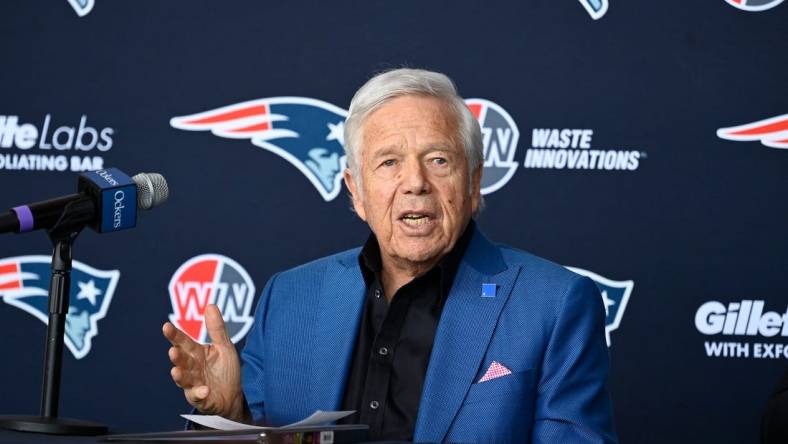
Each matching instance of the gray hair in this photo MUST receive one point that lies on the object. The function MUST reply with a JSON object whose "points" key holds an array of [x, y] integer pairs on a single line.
{"points": [[400, 82]]}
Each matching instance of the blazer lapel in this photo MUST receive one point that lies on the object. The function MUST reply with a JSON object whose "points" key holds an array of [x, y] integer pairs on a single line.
{"points": [[339, 312], [463, 335]]}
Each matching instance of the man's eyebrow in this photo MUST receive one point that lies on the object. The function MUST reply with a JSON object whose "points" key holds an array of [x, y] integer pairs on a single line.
{"points": [[439, 146], [386, 151], [432, 147]]}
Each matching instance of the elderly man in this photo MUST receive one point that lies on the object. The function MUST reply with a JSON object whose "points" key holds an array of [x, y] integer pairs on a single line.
{"points": [[430, 332]]}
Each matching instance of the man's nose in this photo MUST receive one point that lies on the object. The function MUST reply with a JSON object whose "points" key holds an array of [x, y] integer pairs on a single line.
{"points": [[414, 179]]}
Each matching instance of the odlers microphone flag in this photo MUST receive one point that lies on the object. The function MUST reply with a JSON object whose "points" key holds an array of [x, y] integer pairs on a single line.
{"points": [[117, 198]]}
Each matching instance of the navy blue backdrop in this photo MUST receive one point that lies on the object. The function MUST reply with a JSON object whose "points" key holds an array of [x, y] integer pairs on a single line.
{"points": [[642, 142]]}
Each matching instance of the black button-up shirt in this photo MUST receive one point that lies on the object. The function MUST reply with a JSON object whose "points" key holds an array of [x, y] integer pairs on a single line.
{"points": [[394, 342]]}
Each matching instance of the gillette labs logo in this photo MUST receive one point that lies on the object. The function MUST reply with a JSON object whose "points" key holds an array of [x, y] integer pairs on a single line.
{"points": [[28, 147], [746, 318]]}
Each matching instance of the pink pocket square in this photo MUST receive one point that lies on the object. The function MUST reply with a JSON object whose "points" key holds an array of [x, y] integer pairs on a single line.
{"points": [[496, 370]]}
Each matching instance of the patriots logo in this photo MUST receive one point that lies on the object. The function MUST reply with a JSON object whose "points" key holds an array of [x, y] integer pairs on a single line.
{"points": [[772, 132], [24, 283], [82, 7], [615, 295], [596, 8], [308, 133]]}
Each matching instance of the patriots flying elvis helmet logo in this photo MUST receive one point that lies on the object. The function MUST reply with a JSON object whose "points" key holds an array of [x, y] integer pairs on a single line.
{"points": [[82, 7], [771, 132], [308, 133], [595, 8], [24, 283], [615, 295]]}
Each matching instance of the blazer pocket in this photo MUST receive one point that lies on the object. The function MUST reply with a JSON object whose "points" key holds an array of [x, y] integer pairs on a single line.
{"points": [[501, 386]]}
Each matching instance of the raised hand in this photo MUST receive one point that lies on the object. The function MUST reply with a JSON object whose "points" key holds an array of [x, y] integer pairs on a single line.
{"points": [[209, 374]]}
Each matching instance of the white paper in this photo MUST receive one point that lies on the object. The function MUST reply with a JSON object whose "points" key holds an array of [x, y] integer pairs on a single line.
{"points": [[253, 437], [320, 417], [219, 423]]}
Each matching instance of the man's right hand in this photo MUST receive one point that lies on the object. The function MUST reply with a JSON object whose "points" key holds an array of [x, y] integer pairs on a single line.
{"points": [[209, 374]]}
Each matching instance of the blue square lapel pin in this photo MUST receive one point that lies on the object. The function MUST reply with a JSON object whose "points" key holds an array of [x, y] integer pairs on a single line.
{"points": [[488, 290]]}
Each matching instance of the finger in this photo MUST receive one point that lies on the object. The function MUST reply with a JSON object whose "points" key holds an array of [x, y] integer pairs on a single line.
{"points": [[180, 358], [197, 397], [185, 378], [178, 338], [215, 325], [177, 377], [201, 392]]}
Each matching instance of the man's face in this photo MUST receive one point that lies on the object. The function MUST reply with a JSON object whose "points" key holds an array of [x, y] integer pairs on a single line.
{"points": [[414, 180]]}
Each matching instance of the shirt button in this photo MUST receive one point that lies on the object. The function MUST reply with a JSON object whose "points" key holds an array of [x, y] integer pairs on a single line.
{"points": [[374, 405], [377, 293], [383, 351]]}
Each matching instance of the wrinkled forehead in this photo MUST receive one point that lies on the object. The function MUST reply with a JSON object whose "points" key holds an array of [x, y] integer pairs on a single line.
{"points": [[430, 118]]}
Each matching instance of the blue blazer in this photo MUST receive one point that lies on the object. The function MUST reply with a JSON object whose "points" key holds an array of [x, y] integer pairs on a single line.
{"points": [[545, 324]]}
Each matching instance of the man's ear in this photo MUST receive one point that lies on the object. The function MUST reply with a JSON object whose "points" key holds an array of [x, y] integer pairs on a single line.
{"points": [[476, 194], [355, 195]]}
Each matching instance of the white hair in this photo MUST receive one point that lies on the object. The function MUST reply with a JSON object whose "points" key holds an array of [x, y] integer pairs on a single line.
{"points": [[401, 82]]}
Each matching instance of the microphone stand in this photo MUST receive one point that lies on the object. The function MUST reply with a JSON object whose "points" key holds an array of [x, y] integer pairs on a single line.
{"points": [[75, 217]]}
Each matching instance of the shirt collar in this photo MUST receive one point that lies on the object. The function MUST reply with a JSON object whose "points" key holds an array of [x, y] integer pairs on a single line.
{"points": [[372, 264]]}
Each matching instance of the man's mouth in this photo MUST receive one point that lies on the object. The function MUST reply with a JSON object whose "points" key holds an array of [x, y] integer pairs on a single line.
{"points": [[416, 219]]}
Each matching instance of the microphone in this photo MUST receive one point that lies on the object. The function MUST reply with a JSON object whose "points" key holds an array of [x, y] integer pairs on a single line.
{"points": [[107, 201]]}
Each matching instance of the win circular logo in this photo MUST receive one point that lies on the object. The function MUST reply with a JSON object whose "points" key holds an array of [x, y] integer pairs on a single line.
{"points": [[499, 136], [211, 279], [754, 5]]}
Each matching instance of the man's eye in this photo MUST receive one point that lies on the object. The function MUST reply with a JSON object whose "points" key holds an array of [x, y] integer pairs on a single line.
{"points": [[389, 163], [439, 161]]}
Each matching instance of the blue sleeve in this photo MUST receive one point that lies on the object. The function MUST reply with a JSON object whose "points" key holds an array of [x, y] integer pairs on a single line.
{"points": [[572, 404], [252, 364]]}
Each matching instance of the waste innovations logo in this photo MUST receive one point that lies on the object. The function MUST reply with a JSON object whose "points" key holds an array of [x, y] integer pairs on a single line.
{"points": [[309, 133], [24, 283], [211, 279], [595, 8], [571, 149], [615, 296], [82, 7], [754, 5], [52, 145], [771, 132], [743, 329]]}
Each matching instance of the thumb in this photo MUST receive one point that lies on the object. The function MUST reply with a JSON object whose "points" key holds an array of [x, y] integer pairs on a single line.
{"points": [[215, 325]]}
